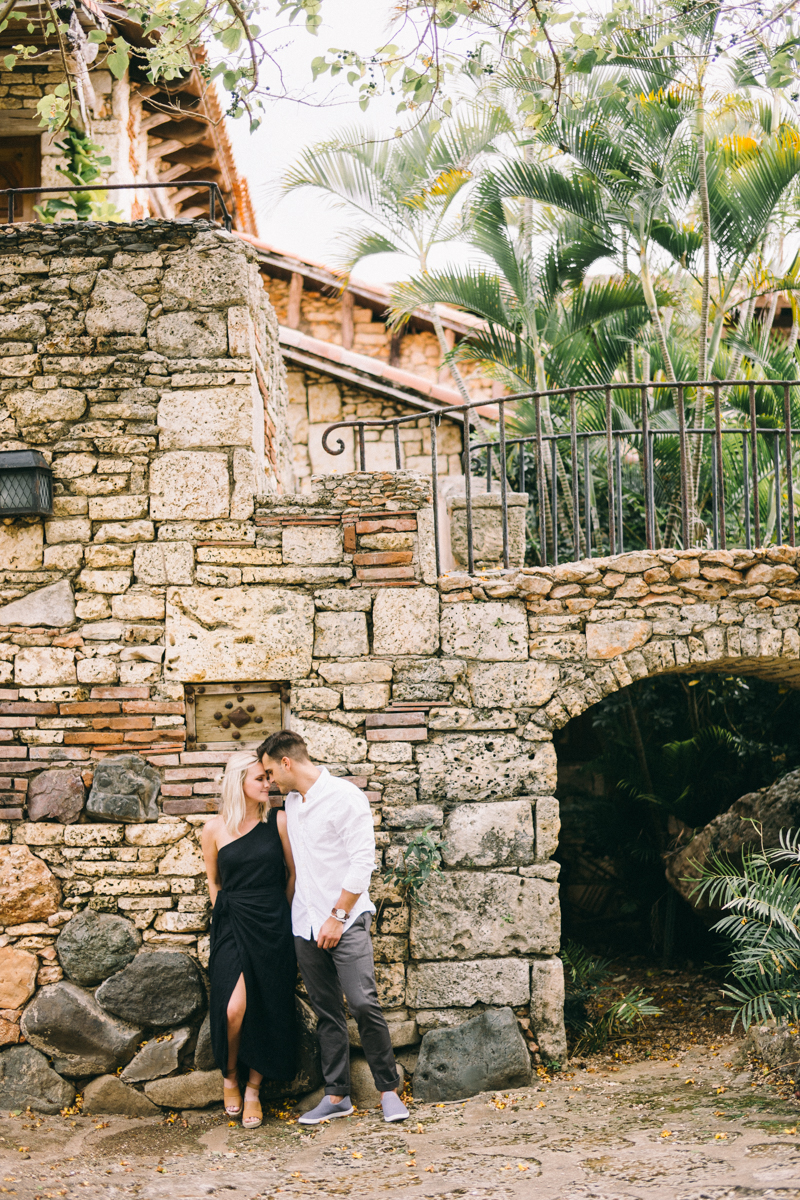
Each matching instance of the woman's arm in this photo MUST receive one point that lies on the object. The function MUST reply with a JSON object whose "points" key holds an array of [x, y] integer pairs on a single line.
{"points": [[291, 873], [209, 843]]}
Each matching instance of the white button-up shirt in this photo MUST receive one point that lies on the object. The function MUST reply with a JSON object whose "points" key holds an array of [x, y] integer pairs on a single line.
{"points": [[333, 844]]}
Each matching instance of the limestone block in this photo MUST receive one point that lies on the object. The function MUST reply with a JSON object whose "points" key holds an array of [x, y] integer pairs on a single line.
{"points": [[100, 557], [107, 583], [114, 308], [162, 834], [390, 979], [44, 666], [18, 970], [21, 547], [609, 639], [197, 417], [322, 698], [63, 558], [363, 696], [53, 605], [73, 466], [368, 671], [189, 335], [55, 796], [241, 332], [340, 635], [238, 633], [23, 326], [217, 279], [124, 789], [164, 562], [184, 858], [486, 1053], [190, 485], [107, 1094], [496, 631], [324, 403], [328, 743], [68, 1024], [489, 835], [468, 913], [69, 529], [458, 767], [462, 984], [502, 685], [139, 604], [128, 531], [248, 482], [547, 1007], [323, 463], [411, 816], [406, 621], [312, 545], [117, 508], [343, 599], [34, 407], [390, 752], [548, 827]]}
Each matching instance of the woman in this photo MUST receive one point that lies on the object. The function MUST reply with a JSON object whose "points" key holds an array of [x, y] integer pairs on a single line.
{"points": [[252, 966]]}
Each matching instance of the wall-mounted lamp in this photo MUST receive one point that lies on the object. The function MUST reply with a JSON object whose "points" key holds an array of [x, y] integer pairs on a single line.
{"points": [[26, 484]]}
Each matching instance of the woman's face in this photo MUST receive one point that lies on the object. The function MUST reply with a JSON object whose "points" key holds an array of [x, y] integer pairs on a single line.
{"points": [[255, 784]]}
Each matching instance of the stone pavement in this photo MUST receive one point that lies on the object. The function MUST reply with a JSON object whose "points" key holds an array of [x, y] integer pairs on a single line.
{"points": [[694, 1127]]}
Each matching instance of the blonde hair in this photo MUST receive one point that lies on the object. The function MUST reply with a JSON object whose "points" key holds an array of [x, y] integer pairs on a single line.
{"points": [[233, 807]]}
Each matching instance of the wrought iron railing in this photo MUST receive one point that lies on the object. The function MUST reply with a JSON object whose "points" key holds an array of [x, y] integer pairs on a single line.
{"points": [[214, 194], [744, 465]]}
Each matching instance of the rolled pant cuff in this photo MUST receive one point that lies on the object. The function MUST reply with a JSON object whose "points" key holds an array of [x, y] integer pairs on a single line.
{"points": [[337, 1089], [389, 1087]]}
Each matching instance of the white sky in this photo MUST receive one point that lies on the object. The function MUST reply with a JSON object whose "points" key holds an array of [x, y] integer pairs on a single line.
{"points": [[303, 223]]}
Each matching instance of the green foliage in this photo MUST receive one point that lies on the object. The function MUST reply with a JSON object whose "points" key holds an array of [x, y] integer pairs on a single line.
{"points": [[593, 1018], [760, 899], [421, 858], [83, 167]]}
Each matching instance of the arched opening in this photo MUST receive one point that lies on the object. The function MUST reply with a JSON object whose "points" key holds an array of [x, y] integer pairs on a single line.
{"points": [[640, 774]]}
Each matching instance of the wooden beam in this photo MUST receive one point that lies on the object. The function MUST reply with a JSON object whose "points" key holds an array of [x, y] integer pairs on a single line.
{"points": [[295, 296], [151, 120], [394, 347], [348, 330]]}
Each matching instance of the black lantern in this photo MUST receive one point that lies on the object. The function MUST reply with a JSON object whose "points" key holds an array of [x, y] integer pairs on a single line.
{"points": [[26, 484]]}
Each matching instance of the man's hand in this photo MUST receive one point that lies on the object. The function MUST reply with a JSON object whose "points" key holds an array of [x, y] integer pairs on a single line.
{"points": [[330, 934]]}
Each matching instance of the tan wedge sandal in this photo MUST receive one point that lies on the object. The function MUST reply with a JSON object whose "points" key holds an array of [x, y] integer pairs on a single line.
{"points": [[253, 1115], [233, 1098]]}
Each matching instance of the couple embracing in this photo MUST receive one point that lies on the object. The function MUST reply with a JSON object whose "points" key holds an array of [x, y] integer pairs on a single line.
{"points": [[290, 887]]}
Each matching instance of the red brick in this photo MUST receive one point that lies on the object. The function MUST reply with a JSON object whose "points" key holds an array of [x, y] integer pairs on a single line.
{"points": [[374, 797], [397, 735], [349, 537], [178, 808], [27, 708], [50, 753], [396, 583], [383, 558], [176, 789], [193, 773], [120, 693], [156, 735], [122, 723], [84, 707], [205, 756], [17, 722], [164, 758], [359, 781], [68, 640], [384, 573], [392, 720], [21, 766], [6, 735], [14, 752], [397, 525], [89, 739], [168, 707], [11, 814], [9, 693], [206, 789], [20, 785]]}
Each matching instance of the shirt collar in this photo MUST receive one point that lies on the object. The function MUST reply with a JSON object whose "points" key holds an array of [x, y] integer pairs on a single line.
{"points": [[318, 786]]}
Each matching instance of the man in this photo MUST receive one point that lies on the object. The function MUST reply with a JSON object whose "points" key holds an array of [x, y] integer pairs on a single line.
{"points": [[333, 845]]}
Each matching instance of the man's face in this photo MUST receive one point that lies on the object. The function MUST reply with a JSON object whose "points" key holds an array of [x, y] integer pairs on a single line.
{"points": [[281, 773]]}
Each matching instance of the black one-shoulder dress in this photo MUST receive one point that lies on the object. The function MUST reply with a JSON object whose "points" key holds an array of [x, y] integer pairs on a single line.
{"points": [[251, 934]]}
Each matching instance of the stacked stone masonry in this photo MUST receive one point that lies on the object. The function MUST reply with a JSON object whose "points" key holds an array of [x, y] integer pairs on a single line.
{"points": [[438, 697]]}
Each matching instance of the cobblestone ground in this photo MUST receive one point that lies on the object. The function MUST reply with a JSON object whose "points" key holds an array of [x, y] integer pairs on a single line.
{"points": [[674, 1115]]}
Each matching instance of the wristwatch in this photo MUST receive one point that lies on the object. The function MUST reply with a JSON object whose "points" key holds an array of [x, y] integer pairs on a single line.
{"points": [[340, 914]]}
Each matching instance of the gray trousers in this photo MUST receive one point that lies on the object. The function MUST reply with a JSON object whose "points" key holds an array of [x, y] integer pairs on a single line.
{"points": [[348, 968]]}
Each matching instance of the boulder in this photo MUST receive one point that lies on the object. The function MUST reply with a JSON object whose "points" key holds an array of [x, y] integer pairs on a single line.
{"points": [[195, 1090], [18, 971], [107, 1095], [486, 1053], [203, 1053], [772, 809], [159, 987], [309, 1071], [363, 1092], [28, 889], [776, 1045], [94, 945], [26, 1080], [69, 1025], [124, 789], [56, 796], [156, 1058]]}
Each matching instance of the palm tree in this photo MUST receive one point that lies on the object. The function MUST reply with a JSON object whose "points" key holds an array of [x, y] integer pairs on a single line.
{"points": [[402, 190]]}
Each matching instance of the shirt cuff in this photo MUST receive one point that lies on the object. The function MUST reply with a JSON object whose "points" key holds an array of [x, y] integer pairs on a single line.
{"points": [[356, 882]]}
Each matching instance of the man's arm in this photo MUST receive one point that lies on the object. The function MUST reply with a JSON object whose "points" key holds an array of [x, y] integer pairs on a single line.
{"points": [[358, 836]]}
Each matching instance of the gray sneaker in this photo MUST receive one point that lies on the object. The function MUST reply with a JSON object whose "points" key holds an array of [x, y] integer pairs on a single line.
{"points": [[326, 1111], [393, 1107]]}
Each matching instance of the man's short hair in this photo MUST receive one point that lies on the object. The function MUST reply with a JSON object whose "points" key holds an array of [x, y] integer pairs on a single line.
{"points": [[283, 744]]}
